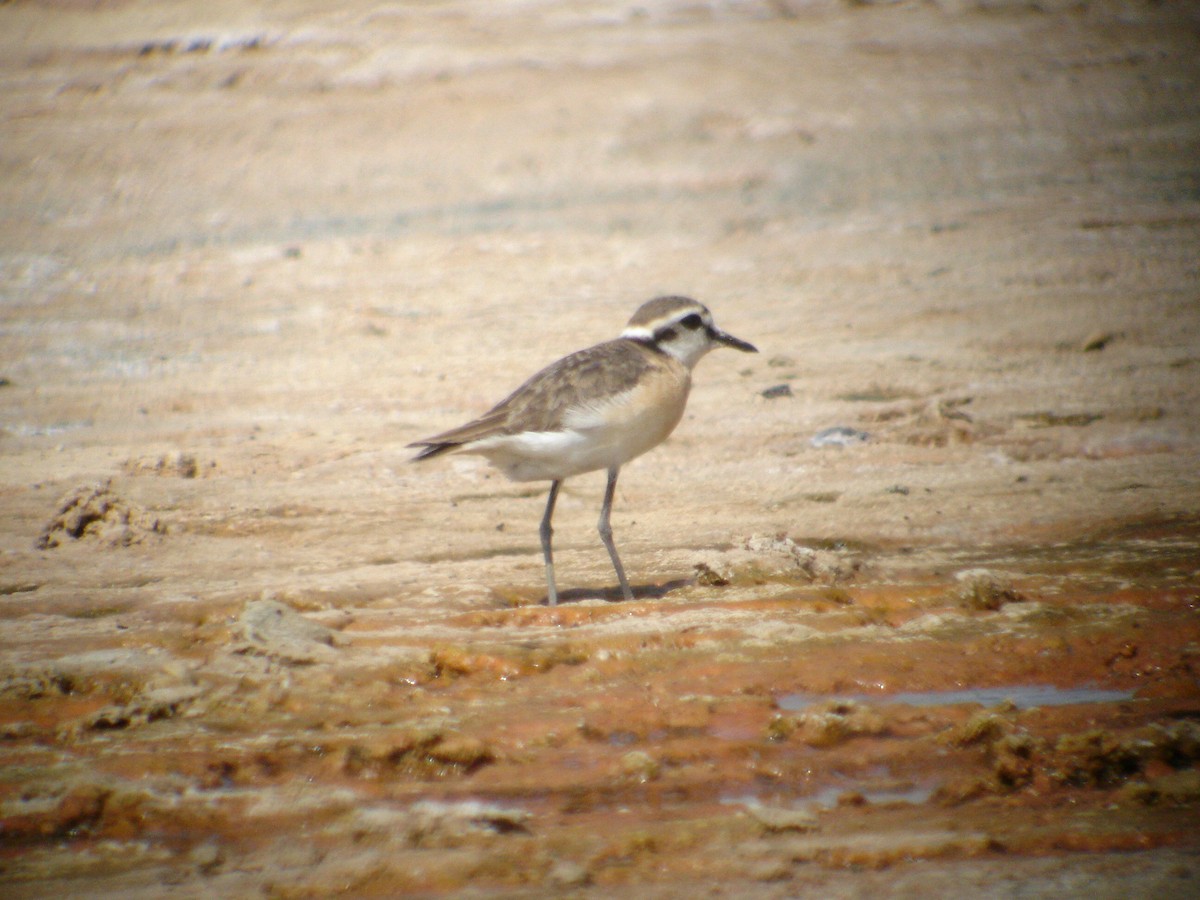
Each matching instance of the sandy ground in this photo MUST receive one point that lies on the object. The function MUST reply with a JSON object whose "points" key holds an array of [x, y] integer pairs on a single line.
{"points": [[249, 251]]}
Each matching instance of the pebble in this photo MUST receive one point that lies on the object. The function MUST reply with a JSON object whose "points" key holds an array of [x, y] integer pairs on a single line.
{"points": [[567, 874], [839, 436]]}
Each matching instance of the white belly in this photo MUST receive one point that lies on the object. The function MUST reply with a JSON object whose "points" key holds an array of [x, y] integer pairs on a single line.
{"points": [[604, 436]]}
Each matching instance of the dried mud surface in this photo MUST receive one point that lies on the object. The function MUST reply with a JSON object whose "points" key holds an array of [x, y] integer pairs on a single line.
{"points": [[247, 252]]}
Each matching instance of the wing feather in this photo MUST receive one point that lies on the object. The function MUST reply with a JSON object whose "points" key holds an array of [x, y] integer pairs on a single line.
{"points": [[543, 402]]}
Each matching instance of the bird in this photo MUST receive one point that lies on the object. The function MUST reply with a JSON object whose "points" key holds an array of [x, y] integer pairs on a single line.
{"points": [[594, 409]]}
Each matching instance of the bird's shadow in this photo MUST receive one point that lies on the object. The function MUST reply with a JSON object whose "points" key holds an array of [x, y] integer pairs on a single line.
{"points": [[613, 594]]}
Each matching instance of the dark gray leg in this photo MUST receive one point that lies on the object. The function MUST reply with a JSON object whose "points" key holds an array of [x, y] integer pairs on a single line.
{"points": [[606, 532], [546, 531]]}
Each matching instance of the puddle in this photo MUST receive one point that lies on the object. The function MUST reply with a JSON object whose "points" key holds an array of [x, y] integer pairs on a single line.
{"points": [[1022, 697], [829, 797], [913, 795], [57, 428]]}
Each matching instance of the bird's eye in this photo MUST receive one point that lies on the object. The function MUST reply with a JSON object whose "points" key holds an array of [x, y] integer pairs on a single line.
{"points": [[691, 321]]}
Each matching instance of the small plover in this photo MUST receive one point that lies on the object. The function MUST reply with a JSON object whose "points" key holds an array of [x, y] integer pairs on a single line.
{"points": [[595, 409]]}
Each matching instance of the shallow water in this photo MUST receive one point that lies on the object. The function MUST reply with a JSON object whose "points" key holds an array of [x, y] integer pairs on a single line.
{"points": [[1021, 696], [830, 797]]}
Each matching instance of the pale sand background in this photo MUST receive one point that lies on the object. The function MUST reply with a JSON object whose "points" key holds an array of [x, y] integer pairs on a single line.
{"points": [[247, 252]]}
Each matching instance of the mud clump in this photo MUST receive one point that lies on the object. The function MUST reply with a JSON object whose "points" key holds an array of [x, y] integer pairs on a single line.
{"points": [[425, 755], [1175, 787], [272, 629], [981, 589], [983, 727], [451, 662], [77, 812], [640, 766], [97, 512], [170, 465], [763, 559], [828, 725], [1093, 759], [153, 706], [779, 820], [85, 810], [432, 823]]}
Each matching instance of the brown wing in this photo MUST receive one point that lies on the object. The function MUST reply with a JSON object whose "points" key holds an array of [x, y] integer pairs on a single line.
{"points": [[541, 402]]}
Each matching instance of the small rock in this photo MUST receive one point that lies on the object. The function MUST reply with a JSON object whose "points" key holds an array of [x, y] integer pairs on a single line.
{"points": [[464, 751], [779, 390], [817, 565], [162, 703], [18, 731], [177, 465], [778, 818], [433, 823], [1098, 340], [79, 810], [710, 577], [839, 436], [781, 727], [770, 870], [568, 874], [270, 628], [207, 858], [640, 766], [985, 590], [1051, 419], [774, 557]]}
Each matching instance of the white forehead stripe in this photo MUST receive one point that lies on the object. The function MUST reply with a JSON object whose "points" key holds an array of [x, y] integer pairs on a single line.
{"points": [[638, 333], [647, 330]]}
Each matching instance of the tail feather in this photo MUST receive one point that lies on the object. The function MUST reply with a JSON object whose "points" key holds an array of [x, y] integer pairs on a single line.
{"points": [[485, 426], [432, 449]]}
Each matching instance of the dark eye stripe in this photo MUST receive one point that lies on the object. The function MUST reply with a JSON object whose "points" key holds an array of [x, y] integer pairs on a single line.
{"points": [[665, 334]]}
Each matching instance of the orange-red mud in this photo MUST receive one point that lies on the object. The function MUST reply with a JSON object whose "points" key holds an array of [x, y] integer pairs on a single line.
{"points": [[248, 252], [565, 756]]}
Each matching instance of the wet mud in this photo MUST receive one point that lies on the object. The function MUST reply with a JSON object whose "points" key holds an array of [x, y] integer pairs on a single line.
{"points": [[916, 590]]}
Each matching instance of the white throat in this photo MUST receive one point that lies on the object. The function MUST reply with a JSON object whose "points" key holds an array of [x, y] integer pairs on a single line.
{"points": [[686, 346]]}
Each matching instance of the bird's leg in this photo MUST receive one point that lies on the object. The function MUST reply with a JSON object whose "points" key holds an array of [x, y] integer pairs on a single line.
{"points": [[606, 534], [546, 531]]}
